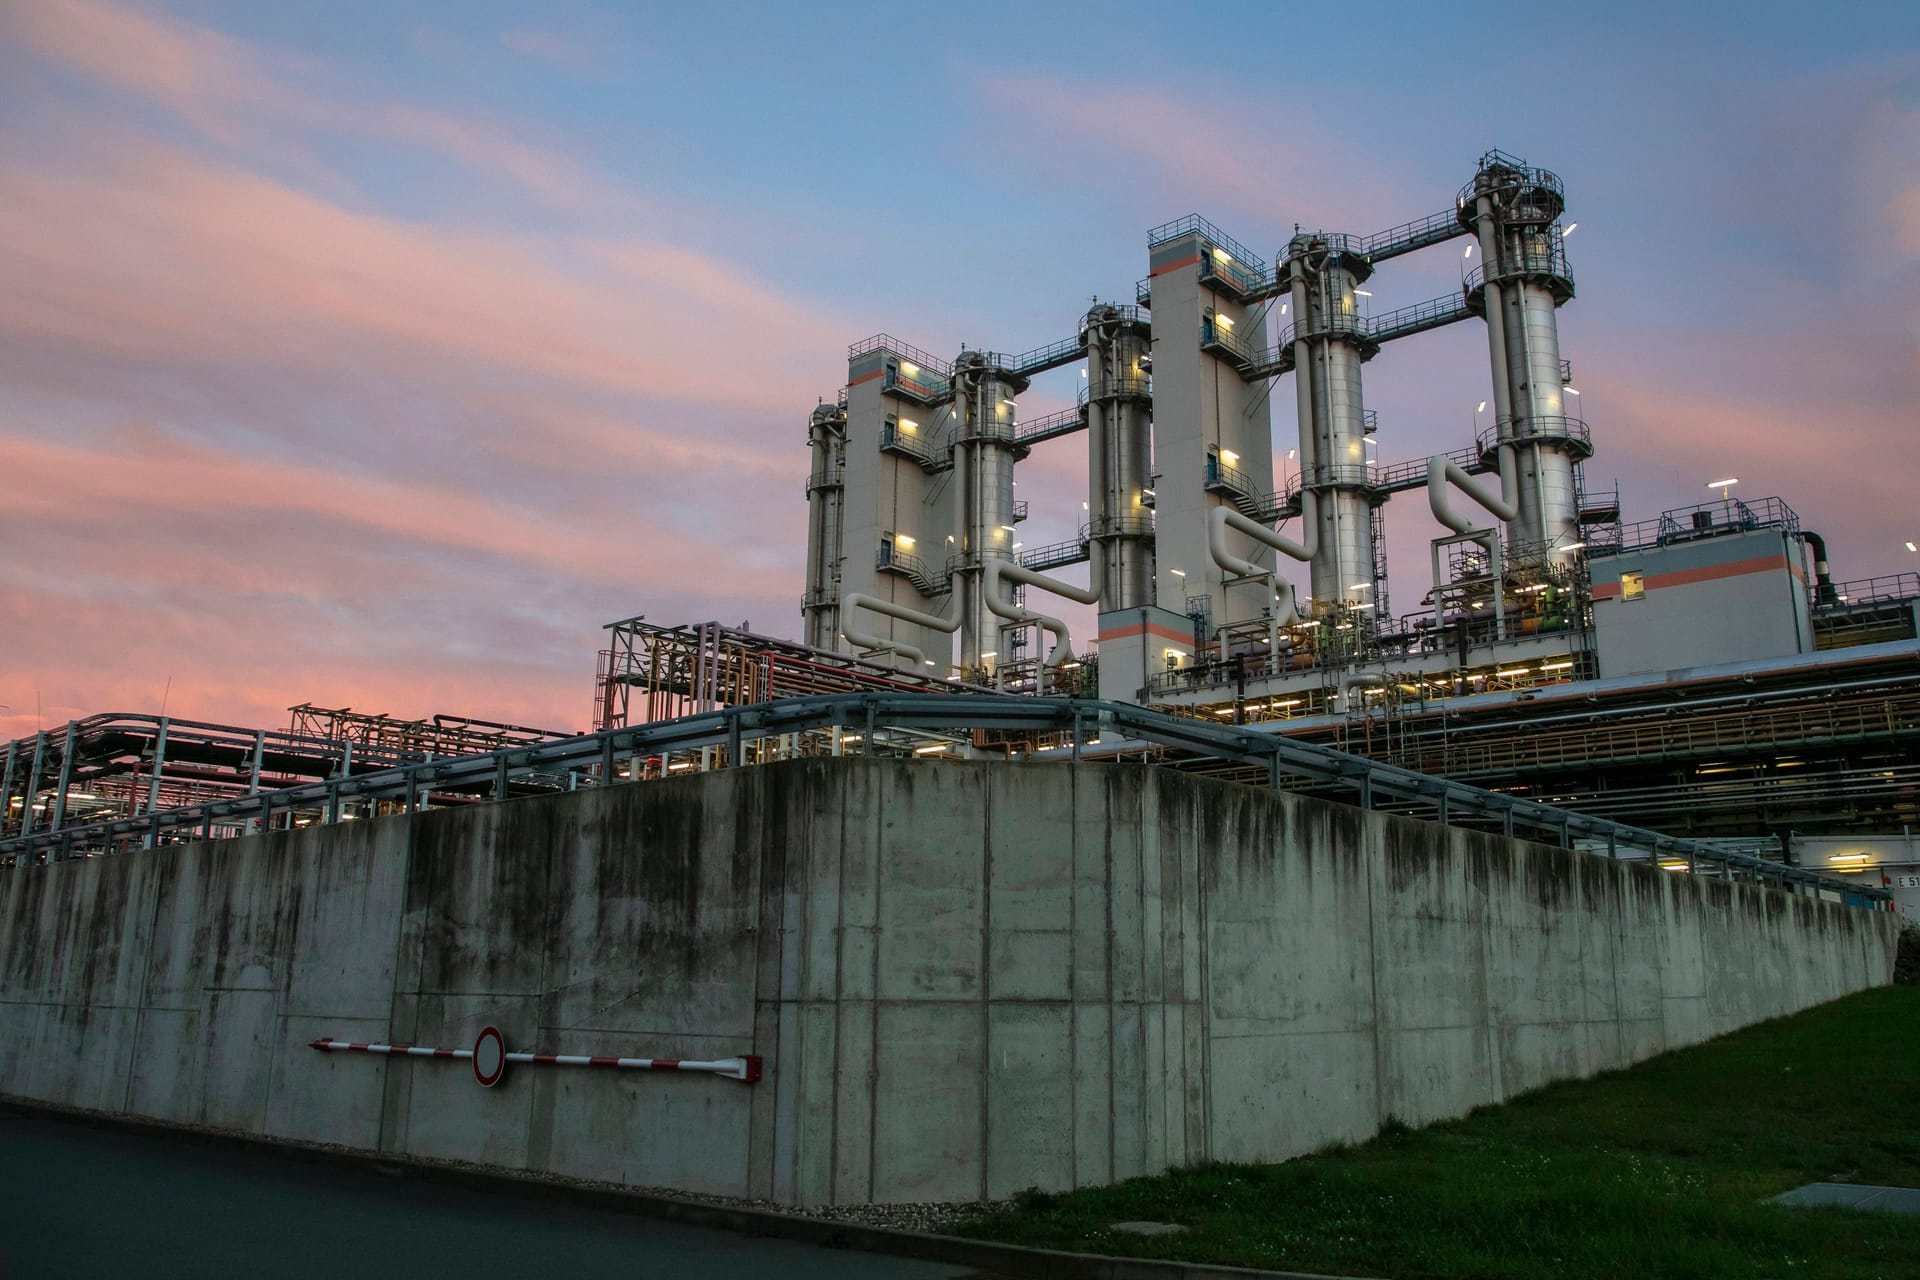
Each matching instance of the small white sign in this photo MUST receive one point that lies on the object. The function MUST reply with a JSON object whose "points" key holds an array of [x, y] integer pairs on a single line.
{"points": [[1906, 882]]}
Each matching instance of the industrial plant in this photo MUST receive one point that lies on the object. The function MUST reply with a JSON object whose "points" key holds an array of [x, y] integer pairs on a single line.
{"points": [[942, 901], [1697, 672]]}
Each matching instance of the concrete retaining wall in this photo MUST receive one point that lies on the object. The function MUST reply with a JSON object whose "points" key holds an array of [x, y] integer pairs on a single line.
{"points": [[965, 978]]}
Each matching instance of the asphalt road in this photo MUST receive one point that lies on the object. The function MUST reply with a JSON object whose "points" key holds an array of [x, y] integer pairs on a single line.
{"points": [[82, 1201]]}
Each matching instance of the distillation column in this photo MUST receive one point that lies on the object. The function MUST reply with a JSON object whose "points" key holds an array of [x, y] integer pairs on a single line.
{"points": [[826, 524], [983, 458], [1329, 345], [1119, 455], [1513, 211]]}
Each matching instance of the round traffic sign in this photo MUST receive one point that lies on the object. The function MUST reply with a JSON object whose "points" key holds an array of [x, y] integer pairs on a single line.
{"points": [[489, 1057]]}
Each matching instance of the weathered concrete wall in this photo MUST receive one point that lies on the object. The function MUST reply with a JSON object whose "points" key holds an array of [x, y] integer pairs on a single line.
{"points": [[965, 978]]}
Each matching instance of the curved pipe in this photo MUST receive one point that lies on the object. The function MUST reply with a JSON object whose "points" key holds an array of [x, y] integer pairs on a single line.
{"points": [[1224, 518], [1440, 472], [995, 570], [887, 607], [1823, 592]]}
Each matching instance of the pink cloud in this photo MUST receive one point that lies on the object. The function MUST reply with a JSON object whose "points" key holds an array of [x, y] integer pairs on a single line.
{"points": [[1214, 151], [150, 252]]}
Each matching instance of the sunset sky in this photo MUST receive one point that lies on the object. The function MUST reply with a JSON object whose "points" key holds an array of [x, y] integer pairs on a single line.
{"points": [[378, 354]]}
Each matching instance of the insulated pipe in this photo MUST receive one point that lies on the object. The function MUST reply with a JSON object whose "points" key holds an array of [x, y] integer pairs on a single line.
{"points": [[1501, 506], [1350, 683], [891, 610], [1823, 592], [1063, 641], [1224, 518]]}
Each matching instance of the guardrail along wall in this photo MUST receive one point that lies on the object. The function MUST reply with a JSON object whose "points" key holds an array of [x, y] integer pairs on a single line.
{"points": [[962, 978]]}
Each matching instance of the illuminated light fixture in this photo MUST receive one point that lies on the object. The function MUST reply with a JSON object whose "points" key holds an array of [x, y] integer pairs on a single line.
{"points": [[1345, 626], [1289, 702], [908, 424], [1673, 864], [1571, 228], [1362, 293], [933, 750], [1467, 254], [1069, 666], [1225, 322], [1083, 506], [905, 540], [1481, 407], [1007, 528], [1367, 605], [1148, 493], [1360, 586], [1018, 545], [1729, 482], [909, 369], [1511, 671], [852, 737], [932, 663], [991, 653], [1221, 255], [1229, 457], [1083, 373], [1011, 404], [1178, 573], [1850, 859], [1290, 454], [1556, 666], [680, 766], [1224, 711], [1911, 547], [1539, 586], [1572, 391], [1283, 308], [1574, 546]]}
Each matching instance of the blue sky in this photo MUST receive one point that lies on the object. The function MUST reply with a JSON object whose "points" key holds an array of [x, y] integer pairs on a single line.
{"points": [[410, 342]]}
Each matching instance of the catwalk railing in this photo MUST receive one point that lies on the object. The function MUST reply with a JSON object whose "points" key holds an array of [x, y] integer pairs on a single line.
{"points": [[722, 736]]}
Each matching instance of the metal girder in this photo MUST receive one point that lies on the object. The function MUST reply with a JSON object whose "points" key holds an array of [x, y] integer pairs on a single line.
{"points": [[733, 726]]}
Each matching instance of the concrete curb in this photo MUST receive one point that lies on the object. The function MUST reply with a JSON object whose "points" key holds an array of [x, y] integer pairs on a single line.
{"points": [[1000, 1260]]}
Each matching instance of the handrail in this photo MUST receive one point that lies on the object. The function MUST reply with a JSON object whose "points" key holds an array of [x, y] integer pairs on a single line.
{"points": [[1065, 422], [1540, 426], [1435, 228], [892, 345], [1418, 318], [1884, 588], [1167, 231], [731, 728]]}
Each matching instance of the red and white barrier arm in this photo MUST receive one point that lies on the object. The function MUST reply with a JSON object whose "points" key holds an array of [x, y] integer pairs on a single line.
{"points": [[745, 1068]]}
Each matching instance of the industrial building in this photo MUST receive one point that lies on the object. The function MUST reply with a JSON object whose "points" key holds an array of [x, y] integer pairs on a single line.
{"points": [[893, 910], [1698, 670]]}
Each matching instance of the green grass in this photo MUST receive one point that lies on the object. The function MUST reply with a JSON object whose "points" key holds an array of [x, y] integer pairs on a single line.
{"points": [[1658, 1170]]}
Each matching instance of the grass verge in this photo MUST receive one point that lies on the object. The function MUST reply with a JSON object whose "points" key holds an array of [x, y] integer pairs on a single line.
{"points": [[1662, 1169]]}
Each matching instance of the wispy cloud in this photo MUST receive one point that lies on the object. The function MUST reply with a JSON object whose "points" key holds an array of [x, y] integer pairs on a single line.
{"points": [[349, 454]]}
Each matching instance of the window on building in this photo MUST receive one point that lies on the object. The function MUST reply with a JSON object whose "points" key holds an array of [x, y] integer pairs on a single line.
{"points": [[1633, 584]]}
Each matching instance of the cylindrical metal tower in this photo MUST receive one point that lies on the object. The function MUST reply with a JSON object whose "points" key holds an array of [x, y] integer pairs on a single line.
{"points": [[1119, 454], [983, 456], [1514, 210], [826, 524], [1330, 345]]}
